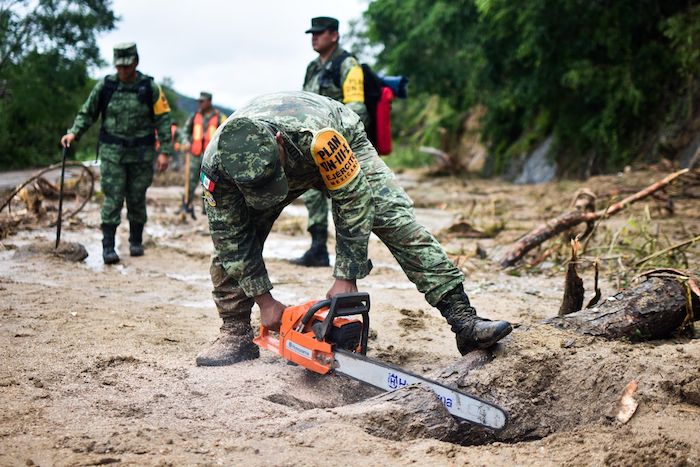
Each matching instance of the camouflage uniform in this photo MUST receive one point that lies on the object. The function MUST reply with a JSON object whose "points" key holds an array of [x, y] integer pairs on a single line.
{"points": [[371, 202], [126, 171]]}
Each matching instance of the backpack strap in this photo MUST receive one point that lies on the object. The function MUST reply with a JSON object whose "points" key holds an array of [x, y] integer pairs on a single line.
{"points": [[108, 88], [144, 92], [335, 67]]}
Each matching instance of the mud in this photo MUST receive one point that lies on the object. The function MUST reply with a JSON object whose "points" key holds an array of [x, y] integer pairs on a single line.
{"points": [[98, 362]]}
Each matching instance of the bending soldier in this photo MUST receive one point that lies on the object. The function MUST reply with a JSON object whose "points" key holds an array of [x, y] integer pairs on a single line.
{"points": [[270, 152], [131, 107]]}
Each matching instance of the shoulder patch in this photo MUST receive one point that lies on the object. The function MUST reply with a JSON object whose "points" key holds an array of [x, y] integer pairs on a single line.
{"points": [[354, 85], [161, 106], [334, 158]]}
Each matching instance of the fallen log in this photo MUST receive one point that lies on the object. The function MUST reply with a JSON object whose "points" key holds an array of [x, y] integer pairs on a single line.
{"points": [[568, 220], [659, 305]]}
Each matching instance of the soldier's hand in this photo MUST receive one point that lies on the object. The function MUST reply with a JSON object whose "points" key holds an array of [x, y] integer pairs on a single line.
{"points": [[162, 162], [270, 311], [67, 139], [342, 286]]}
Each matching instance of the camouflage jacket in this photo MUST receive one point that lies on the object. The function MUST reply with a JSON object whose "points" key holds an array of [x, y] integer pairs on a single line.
{"points": [[351, 92], [127, 117], [299, 116]]}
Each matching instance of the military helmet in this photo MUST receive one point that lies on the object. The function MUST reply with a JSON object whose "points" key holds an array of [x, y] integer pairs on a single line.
{"points": [[321, 23], [249, 154], [125, 53]]}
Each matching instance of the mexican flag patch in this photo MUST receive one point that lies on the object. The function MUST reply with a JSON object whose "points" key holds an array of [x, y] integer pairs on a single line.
{"points": [[207, 182]]}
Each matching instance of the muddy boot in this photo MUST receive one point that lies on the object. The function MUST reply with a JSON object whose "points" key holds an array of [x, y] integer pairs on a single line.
{"points": [[109, 256], [317, 255], [234, 344], [135, 239], [471, 331]]}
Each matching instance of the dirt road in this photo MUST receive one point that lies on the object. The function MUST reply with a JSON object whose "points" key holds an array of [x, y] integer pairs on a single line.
{"points": [[98, 362]]}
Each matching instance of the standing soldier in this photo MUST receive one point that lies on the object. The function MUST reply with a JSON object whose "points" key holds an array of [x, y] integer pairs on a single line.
{"points": [[131, 107], [200, 128], [270, 152], [335, 74]]}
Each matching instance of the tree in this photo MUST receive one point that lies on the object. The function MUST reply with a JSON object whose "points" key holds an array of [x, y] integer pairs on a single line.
{"points": [[46, 48], [595, 74]]}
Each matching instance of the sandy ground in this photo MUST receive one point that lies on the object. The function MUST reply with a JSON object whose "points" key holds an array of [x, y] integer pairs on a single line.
{"points": [[98, 362]]}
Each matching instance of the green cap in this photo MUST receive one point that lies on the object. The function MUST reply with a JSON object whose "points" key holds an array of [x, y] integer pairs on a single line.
{"points": [[205, 96], [125, 53], [249, 154], [321, 23]]}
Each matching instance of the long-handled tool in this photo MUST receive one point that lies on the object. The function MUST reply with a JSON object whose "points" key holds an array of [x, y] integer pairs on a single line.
{"points": [[60, 198], [186, 208], [324, 338]]}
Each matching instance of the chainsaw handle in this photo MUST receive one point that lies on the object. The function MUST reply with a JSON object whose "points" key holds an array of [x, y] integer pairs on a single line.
{"points": [[312, 311], [348, 304]]}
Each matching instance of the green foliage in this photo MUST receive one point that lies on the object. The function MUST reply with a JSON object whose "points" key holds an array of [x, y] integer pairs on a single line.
{"points": [[407, 157], [46, 91], [593, 74], [46, 48], [68, 27], [683, 30]]}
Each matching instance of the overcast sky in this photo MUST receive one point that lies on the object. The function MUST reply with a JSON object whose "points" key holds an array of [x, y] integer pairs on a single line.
{"points": [[234, 49]]}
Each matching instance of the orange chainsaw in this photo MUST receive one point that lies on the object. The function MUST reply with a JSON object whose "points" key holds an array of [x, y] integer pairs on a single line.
{"points": [[325, 336]]}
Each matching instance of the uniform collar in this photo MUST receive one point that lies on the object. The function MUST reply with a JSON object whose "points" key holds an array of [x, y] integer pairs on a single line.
{"points": [[336, 53]]}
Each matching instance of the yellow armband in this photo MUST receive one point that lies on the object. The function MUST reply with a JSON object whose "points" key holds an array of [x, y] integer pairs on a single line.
{"points": [[161, 106], [335, 160], [354, 86]]}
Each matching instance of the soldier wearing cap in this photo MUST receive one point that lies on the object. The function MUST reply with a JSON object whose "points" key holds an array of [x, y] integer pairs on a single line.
{"points": [[335, 74], [132, 107], [270, 152], [200, 128]]}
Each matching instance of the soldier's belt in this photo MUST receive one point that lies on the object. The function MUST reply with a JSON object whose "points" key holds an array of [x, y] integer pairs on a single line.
{"points": [[108, 138]]}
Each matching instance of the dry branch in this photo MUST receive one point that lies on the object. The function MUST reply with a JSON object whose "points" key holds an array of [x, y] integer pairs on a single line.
{"points": [[38, 176], [568, 220], [667, 250]]}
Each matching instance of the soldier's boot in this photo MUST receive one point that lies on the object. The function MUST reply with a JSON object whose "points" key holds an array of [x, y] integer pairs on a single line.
{"points": [[109, 256], [135, 239], [471, 331], [234, 344], [317, 255]]}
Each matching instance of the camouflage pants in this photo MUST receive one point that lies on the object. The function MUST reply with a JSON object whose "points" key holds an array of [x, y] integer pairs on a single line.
{"points": [[122, 181], [317, 205], [419, 254], [195, 167], [231, 302]]}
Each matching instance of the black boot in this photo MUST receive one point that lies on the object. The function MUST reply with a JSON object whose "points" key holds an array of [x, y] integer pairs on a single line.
{"points": [[317, 255], [470, 331], [135, 239], [234, 344], [109, 256]]}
